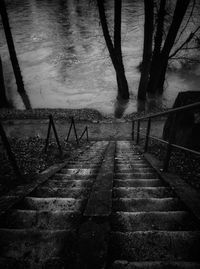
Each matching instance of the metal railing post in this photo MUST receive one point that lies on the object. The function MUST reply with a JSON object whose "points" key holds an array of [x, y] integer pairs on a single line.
{"points": [[11, 156], [55, 133], [138, 131], [169, 146], [75, 131], [70, 128], [133, 126], [48, 134], [87, 134], [147, 134]]}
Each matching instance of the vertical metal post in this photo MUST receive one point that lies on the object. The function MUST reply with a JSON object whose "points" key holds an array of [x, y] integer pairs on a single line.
{"points": [[56, 135], [133, 126], [75, 131], [9, 152], [169, 146], [70, 128], [138, 131], [48, 134], [147, 134], [87, 133]]}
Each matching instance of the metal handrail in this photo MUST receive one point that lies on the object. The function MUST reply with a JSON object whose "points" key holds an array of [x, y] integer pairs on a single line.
{"points": [[170, 144], [10, 154], [84, 131], [75, 132], [170, 111], [51, 124]]}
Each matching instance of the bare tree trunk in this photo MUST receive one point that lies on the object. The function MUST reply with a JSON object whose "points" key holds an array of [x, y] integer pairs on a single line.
{"points": [[159, 29], [13, 56], [147, 48], [159, 63], [115, 50], [3, 98]]}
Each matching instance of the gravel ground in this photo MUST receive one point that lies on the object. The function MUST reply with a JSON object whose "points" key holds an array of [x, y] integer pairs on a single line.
{"points": [[65, 114], [184, 164], [31, 159]]}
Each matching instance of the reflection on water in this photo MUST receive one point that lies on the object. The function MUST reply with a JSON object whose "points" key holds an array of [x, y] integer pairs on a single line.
{"points": [[64, 60]]}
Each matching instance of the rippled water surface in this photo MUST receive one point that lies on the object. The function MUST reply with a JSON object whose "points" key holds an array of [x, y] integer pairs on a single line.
{"points": [[64, 60]]}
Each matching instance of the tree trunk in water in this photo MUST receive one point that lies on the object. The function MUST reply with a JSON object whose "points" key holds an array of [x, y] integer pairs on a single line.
{"points": [[115, 50], [3, 98], [162, 77], [147, 49], [159, 62], [13, 56]]}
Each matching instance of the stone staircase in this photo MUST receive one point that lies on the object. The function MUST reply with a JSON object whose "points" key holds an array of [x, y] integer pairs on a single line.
{"points": [[40, 231], [109, 202], [150, 227]]}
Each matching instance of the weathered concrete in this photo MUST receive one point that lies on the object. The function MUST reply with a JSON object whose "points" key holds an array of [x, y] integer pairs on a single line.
{"points": [[139, 182], [155, 265], [156, 245], [142, 192], [100, 200], [146, 204], [45, 220], [149, 221]]}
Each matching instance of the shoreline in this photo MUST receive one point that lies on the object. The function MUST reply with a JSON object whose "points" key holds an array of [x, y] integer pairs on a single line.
{"points": [[85, 114]]}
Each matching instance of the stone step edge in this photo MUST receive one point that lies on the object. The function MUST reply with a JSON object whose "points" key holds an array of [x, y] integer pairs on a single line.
{"points": [[123, 264]]}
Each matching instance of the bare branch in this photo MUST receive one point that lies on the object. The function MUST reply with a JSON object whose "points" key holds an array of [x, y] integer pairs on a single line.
{"points": [[189, 38], [188, 20]]}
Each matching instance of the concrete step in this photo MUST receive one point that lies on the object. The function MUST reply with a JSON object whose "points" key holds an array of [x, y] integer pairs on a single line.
{"points": [[78, 171], [129, 158], [142, 192], [51, 204], [135, 175], [132, 162], [131, 165], [33, 246], [134, 170], [68, 183], [82, 166], [155, 265], [59, 177], [147, 204], [156, 246], [148, 221], [77, 193], [138, 183], [27, 219]]}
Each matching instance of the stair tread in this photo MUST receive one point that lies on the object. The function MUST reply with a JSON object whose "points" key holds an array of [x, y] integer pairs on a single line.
{"points": [[141, 221], [19, 219], [122, 264], [156, 245]]}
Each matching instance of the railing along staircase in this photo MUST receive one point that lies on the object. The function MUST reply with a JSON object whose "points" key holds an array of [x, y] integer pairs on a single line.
{"points": [[170, 143]]}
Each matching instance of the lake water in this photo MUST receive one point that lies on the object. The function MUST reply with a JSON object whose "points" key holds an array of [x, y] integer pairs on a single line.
{"points": [[64, 60]]}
